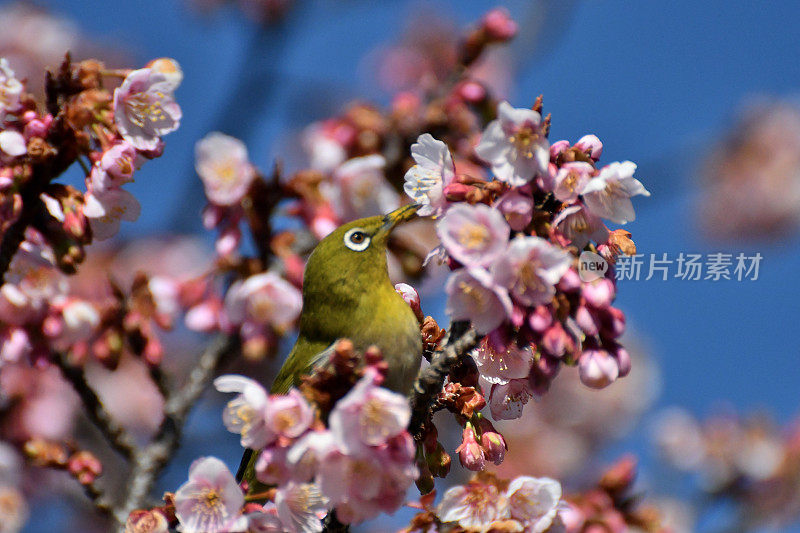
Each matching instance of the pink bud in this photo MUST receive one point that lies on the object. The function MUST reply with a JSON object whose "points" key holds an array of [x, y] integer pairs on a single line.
{"points": [[585, 320], [570, 281], [572, 518], [517, 208], [623, 360], [557, 148], [599, 293], [540, 319], [85, 467], [597, 369], [591, 145], [498, 25], [613, 323], [411, 297], [470, 453], [554, 341], [471, 92], [212, 215], [493, 444]]}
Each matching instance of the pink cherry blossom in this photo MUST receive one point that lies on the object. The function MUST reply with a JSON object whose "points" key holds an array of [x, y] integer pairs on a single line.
{"points": [[609, 194], [324, 147], [411, 297], [473, 506], [264, 299], [223, 165], [506, 400], [425, 181], [80, 319], [359, 189], [115, 167], [12, 143], [211, 501], [10, 89], [571, 179], [517, 208], [301, 507], [245, 413], [579, 226], [530, 268], [500, 359], [473, 234], [533, 502], [106, 209], [288, 415], [473, 295], [498, 25], [145, 108], [368, 416], [169, 68], [272, 466], [515, 145]]}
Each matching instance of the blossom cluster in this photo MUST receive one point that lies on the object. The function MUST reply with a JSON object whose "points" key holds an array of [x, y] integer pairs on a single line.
{"points": [[512, 245], [361, 464]]}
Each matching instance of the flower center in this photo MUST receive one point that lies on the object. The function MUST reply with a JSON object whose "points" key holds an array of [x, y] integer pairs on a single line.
{"points": [[523, 141], [473, 236], [528, 276], [284, 421], [142, 110]]}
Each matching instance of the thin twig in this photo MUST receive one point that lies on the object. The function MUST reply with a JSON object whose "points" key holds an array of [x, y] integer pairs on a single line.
{"points": [[149, 461], [117, 436], [430, 380]]}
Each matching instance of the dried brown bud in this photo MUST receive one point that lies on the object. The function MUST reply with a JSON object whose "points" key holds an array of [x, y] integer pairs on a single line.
{"points": [[621, 240]]}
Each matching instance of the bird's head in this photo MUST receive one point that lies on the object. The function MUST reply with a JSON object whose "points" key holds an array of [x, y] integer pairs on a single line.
{"points": [[352, 258]]}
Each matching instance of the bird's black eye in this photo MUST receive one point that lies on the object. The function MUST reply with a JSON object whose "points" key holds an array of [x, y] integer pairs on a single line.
{"points": [[356, 239]]}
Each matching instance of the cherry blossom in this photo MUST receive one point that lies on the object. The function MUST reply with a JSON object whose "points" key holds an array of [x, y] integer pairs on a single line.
{"points": [[473, 506], [434, 170], [211, 501], [530, 268], [368, 416], [515, 145], [12, 143], [106, 209], [245, 413], [506, 400], [571, 180], [288, 415], [115, 167], [474, 235], [579, 226], [359, 189], [609, 194], [264, 299], [145, 108], [473, 295], [533, 502], [301, 507], [223, 165], [597, 368]]}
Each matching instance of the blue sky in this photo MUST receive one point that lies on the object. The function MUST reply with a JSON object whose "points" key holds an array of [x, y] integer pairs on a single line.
{"points": [[656, 81]]}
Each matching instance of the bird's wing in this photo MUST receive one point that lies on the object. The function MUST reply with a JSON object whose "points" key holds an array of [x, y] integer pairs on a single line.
{"points": [[304, 357]]}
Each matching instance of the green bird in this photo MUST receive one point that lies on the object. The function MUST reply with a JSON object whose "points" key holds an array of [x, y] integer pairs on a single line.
{"points": [[347, 294]]}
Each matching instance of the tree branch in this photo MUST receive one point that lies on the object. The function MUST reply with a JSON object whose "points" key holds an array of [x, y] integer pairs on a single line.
{"points": [[461, 340], [116, 435], [149, 461]]}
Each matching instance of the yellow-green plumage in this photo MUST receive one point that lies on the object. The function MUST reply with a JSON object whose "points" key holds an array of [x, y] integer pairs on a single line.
{"points": [[347, 294]]}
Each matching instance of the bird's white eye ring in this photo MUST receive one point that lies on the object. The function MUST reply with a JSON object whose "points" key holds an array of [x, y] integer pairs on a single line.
{"points": [[357, 240]]}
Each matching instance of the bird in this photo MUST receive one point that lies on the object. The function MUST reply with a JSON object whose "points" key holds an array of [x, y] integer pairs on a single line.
{"points": [[347, 293]]}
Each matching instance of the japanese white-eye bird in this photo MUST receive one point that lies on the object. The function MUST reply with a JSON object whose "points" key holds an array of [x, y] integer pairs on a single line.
{"points": [[347, 294]]}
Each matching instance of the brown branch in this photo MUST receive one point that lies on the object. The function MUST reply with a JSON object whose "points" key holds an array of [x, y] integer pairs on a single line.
{"points": [[117, 436], [461, 340], [150, 460]]}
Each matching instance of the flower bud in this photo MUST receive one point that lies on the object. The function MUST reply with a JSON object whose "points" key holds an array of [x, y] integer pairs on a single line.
{"points": [[493, 444], [591, 145], [143, 521], [597, 369], [470, 453], [411, 297], [84, 467], [599, 293], [498, 25], [540, 319]]}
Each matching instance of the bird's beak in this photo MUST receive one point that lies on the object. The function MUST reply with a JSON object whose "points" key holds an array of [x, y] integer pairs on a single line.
{"points": [[399, 215]]}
